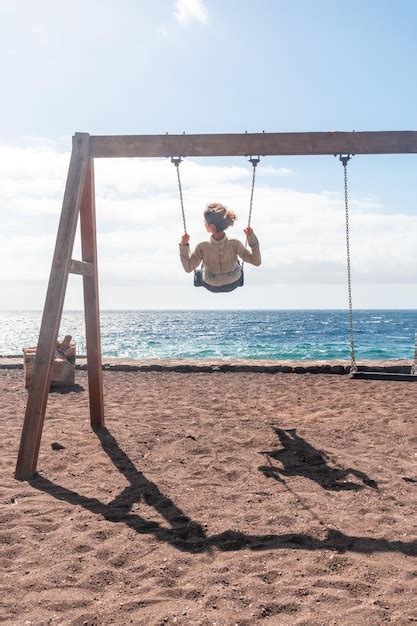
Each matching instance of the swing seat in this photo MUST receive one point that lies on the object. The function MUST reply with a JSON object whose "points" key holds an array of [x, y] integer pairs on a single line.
{"points": [[383, 376], [199, 282], [198, 278]]}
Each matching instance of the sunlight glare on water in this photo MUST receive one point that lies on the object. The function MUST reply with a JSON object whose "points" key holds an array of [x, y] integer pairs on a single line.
{"points": [[228, 334]]}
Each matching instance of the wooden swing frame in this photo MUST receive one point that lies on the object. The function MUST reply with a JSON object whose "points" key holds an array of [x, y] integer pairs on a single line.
{"points": [[79, 200]]}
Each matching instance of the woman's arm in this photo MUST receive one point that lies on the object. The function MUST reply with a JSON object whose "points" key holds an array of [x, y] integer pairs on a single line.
{"points": [[252, 256], [189, 261]]}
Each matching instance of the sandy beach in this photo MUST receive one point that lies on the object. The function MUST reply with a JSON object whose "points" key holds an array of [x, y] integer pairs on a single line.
{"points": [[213, 498]]}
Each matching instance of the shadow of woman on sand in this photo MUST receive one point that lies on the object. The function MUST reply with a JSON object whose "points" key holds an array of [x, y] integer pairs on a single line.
{"points": [[300, 458]]}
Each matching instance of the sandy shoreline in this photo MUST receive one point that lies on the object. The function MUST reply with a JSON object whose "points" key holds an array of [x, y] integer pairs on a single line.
{"points": [[221, 498]]}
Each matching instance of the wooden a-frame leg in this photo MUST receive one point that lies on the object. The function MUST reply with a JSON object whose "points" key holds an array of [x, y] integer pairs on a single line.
{"points": [[91, 300], [54, 302]]}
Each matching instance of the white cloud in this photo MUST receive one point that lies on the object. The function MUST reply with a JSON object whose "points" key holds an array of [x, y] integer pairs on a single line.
{"points": [[189, 10], [139, 223], [274, 171], [25, 257]]}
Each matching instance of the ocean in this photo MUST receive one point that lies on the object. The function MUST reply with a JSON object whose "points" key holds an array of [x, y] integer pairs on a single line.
{"points": [[250, 334]]}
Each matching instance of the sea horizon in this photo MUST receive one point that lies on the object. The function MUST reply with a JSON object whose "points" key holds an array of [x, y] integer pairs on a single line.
{"points": [[252, 334]]}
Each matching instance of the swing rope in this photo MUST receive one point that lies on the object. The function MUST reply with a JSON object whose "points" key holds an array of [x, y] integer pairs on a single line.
{"points": [[353, 366], [254, 161], [177, 161]]}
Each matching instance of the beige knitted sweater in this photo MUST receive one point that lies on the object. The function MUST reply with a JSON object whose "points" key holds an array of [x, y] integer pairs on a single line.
{"points": [[220, 258]]}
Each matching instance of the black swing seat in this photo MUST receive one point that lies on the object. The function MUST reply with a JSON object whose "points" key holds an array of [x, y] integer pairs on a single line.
{"points": [[383, 376], [199, 282]]}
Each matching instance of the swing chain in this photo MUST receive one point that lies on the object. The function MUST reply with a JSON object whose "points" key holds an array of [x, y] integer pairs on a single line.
{"points": [[177, 162], [344, 159]]}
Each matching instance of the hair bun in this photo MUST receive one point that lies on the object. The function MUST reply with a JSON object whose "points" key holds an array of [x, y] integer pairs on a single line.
{"points": [[219, 216], [230, 217]]}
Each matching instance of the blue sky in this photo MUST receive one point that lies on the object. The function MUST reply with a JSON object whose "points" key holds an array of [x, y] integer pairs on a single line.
{"points": [[110, 67]]}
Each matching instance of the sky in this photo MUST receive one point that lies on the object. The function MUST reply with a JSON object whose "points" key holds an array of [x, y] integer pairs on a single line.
{"points": [[210, 66]]}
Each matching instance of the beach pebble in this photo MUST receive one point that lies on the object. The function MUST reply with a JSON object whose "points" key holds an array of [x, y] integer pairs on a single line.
{"points": [[57, 446]]}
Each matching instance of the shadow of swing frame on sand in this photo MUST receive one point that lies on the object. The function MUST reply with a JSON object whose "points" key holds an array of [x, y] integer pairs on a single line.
{"points": [[187, 535]]}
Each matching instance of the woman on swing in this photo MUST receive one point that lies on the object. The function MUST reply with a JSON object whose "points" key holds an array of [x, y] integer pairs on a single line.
{"points": [[221, 268]]}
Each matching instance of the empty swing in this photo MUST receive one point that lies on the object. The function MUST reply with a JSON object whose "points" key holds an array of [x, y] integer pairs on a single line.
{"points": [[354, 372], [238, 269]]}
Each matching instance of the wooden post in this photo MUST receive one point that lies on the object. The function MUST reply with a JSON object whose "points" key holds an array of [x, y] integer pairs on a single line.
{"points": [[91, 300], [54, 302]]}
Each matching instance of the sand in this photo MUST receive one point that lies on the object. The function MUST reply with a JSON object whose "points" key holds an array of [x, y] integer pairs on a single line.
{"points": [[222, 498]]}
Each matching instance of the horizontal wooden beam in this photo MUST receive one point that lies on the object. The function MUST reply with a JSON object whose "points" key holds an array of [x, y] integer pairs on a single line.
{"points": [[81, 267], [374, 142]]}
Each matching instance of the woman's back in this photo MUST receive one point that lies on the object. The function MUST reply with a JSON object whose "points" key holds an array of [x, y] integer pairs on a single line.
{"points": [[220, 255], [220, 263]]}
